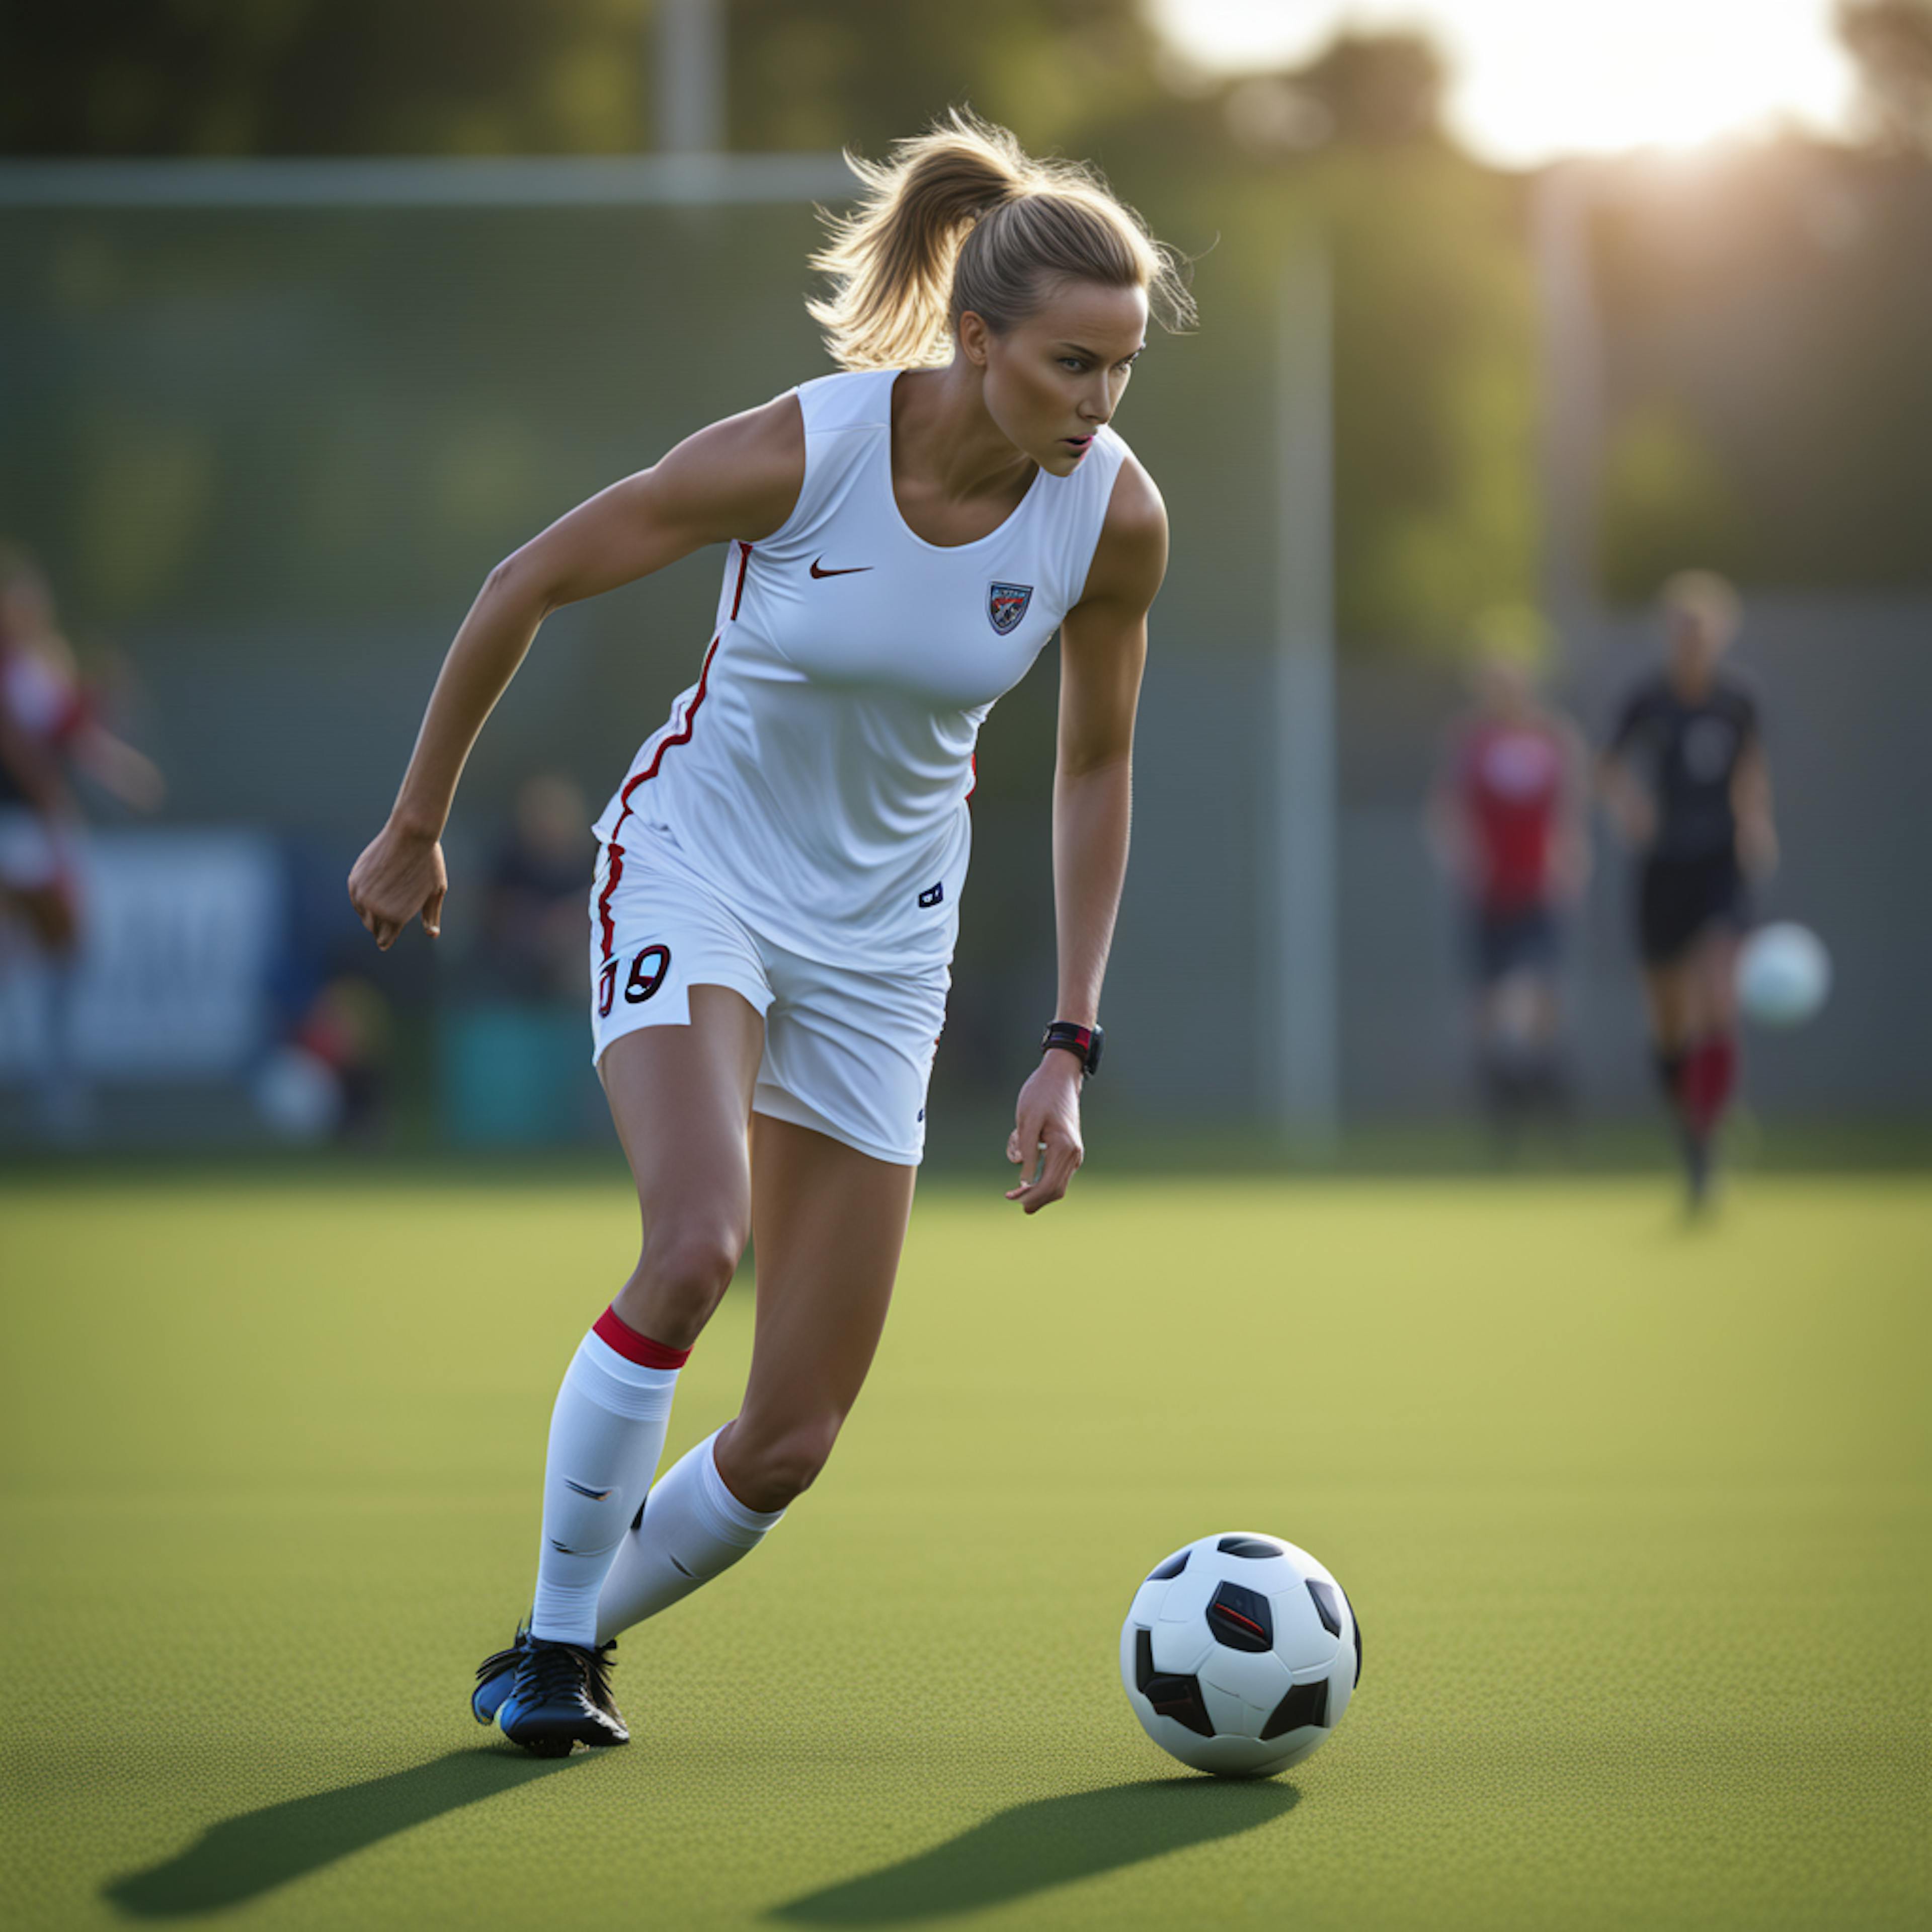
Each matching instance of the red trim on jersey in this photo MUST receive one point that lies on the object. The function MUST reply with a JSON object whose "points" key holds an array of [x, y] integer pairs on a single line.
{"points": [[616, 1332], [744, 562], [972, 766], [613, 851], [606, 925]]}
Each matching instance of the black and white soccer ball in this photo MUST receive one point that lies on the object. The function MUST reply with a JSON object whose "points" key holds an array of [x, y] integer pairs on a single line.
{"points": [[1239, 1654]]}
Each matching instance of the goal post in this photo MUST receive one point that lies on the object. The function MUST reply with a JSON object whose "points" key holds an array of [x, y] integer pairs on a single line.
{"points": [[1300, 941]]}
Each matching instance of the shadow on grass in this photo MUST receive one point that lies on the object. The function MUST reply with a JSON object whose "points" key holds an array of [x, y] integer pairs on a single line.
{"points": [[243, 1857], [1051, 1841]]}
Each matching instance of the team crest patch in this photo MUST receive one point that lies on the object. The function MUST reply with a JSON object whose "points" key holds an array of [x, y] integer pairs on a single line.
{"points": [[1006, 605]]}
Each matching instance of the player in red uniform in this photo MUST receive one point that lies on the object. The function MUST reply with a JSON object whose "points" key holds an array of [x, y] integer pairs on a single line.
{"points": [[1507, 818], [48, 725], [1685, 776]]}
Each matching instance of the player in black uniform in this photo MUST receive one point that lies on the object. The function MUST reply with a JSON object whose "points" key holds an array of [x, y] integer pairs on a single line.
{"points": [[1685, 777]]}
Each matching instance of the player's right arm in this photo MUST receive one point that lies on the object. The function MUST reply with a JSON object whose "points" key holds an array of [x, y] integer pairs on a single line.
{"points": [[739, 478], [1625, 797]]}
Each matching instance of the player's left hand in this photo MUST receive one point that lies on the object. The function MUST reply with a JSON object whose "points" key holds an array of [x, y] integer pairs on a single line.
{"points": [[1046, 1130]]}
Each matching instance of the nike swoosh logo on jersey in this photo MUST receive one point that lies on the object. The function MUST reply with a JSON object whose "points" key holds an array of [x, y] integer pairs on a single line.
{"points": [[850, 570]]}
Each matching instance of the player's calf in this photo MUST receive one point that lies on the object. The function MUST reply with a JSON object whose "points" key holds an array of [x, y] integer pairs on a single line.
{"points": [[770, 1469]]}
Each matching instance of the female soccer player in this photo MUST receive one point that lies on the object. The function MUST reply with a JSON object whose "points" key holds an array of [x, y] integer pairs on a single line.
{"points": [[1508, 818], [1686, 779], [777, 893], [48, 725]]}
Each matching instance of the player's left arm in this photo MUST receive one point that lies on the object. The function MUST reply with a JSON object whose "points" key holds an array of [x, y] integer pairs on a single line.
{"points": [[1628, 801], [116, 767], [1750, 804], [1102, 652]]}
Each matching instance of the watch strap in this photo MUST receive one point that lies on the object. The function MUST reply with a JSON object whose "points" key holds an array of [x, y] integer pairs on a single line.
{"points": [[1083, 1042]]}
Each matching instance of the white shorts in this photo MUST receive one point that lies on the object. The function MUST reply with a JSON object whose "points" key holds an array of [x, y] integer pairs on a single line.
{"points": [[847, 1053]]}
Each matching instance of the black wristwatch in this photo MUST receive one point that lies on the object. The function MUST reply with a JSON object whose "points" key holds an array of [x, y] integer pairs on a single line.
{"points": [[1083, 1042]]}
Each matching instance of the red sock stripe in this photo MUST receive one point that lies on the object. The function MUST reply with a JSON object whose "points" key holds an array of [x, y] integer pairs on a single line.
{"points": [[616, 1332], [606, 928], [1709, 1076]]}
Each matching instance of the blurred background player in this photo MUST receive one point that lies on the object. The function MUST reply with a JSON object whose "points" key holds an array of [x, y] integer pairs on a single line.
{"points": [[535, 927], [49, 727], [1685, 777], [1507, 820]]}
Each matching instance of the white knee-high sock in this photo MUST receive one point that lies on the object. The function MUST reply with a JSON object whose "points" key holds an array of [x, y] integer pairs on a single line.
{"points": [[693, 1529], [606, 1434]]}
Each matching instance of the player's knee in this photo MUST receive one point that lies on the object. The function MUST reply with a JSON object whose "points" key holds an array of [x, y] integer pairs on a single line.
{"points": [[780, 1467], [686, 1267]]}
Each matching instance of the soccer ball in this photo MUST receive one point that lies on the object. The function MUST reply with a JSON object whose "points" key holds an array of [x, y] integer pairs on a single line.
{"points": [[1239, 1654], [1784, 974]]}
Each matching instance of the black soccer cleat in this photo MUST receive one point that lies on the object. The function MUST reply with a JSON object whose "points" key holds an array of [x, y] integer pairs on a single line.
{"points": [[494, 1676], [560, 1696], [498, 1671]]}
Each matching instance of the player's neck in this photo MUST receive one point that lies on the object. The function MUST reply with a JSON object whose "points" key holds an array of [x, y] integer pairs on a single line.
{"points": [[943, 440]]}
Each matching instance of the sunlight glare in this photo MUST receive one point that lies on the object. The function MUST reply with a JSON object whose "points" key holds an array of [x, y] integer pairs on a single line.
{"points": [[1534, 78]]}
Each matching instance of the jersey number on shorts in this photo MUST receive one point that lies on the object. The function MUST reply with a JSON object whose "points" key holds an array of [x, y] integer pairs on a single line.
{"points": [[647, 974]]}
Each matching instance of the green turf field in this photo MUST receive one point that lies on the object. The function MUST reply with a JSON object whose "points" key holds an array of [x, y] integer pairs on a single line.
{"points": [[1635, 1518]]}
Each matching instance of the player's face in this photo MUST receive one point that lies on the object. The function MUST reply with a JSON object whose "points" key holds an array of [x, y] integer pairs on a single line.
{"points": [[1056, 379], [1503, 687], [1698, 637]]}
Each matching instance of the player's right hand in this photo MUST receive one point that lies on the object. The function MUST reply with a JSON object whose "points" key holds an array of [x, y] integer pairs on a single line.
{"points": [[400, 875]]}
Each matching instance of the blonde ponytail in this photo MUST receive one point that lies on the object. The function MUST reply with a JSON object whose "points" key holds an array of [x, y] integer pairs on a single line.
{"points": [[961, 217]]}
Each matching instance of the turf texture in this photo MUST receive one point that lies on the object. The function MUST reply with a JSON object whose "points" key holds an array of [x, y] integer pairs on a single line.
{"points": [[1636, 1518]]}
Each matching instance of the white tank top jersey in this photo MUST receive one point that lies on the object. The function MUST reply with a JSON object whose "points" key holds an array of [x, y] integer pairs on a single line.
{"points": [[816, 773]]}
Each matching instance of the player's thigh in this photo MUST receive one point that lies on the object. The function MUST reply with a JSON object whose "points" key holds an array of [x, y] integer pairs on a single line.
{"points": [[678, 993], [1669, 993], [1713, 968], [681, 1097], [828, 1224]]}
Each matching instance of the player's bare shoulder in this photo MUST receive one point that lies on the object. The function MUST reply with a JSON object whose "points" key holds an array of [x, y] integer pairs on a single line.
{"points": [[1130, 558], [743, 473]]}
